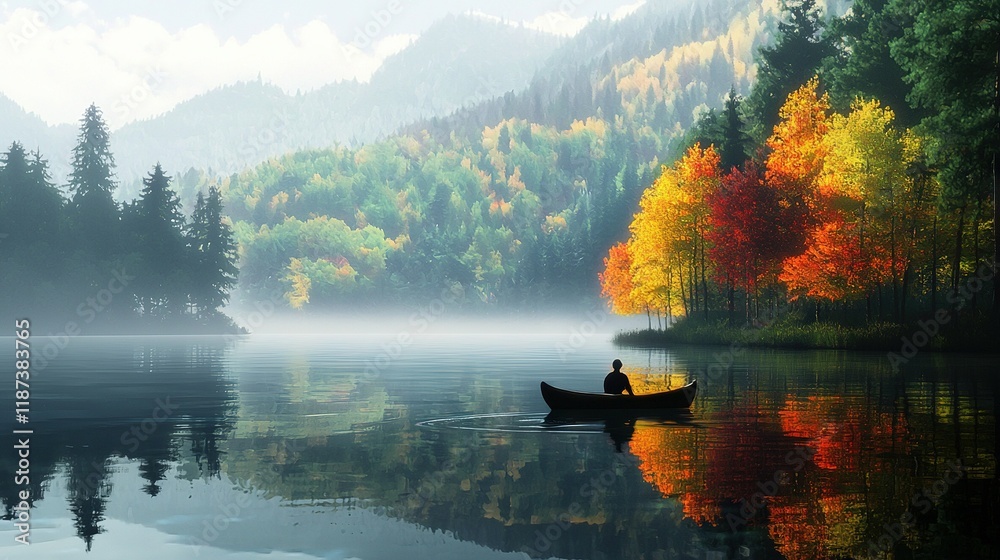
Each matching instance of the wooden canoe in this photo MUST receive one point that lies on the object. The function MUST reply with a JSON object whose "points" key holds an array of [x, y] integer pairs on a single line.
{"points": [[561, 399]]}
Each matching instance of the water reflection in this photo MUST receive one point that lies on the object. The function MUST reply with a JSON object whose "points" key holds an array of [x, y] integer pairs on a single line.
{"points": [[822, 459], [152, 404], [784, 455], [618, 425]]}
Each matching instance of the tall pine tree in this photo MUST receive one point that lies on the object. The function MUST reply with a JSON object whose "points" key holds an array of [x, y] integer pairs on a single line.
{"points": [[796, 56], [214, 255], [93, 210], [863, 65], [30, 206], [733, 150], [163, 282]]}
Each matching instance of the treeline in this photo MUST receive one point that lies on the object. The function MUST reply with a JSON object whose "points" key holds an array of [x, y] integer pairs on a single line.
{"points": [[817, 191], [97, 264], [517, 219]]}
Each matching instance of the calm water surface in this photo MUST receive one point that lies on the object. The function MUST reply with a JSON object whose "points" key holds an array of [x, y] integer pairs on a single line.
{"points": [[350, 447]]}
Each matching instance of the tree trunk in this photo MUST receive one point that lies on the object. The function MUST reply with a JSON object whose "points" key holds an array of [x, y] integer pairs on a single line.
{"points": [[732, 303], [704, 283], [861, 251], [894, 266], [911, 246], [680, 280], [934, 263], [903, 290], [756, 303], [996, 244], [694, 278], [956, 262], [880, 302], [746, 293], [975, 247]]}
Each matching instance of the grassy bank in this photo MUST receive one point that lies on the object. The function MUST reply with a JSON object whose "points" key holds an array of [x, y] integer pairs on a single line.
{"points": [[971, 336]]}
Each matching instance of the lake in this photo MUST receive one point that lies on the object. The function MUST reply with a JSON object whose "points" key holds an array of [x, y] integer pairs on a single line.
{"points": [[359, 446]]}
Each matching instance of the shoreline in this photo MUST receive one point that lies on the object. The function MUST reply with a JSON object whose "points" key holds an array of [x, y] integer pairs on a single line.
{"points": [[975, 337]]}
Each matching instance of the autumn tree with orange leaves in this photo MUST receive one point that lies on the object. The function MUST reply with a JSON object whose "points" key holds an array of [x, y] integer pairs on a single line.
{"points": [[840, 211], [616, 281], [867, 208], [797, 150]]}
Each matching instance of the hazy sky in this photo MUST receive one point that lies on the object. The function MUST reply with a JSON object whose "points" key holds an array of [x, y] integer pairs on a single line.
{"points": [[58, 56]]}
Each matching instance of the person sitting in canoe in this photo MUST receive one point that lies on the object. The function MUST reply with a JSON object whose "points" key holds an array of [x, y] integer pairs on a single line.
{"points": [[616, 381]]}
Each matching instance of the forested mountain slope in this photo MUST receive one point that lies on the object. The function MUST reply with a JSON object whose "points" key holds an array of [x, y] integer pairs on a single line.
{"points": [[515, 199]]}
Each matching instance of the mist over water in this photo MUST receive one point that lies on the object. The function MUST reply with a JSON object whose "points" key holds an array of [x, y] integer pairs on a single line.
{"points": [[441, 319]]}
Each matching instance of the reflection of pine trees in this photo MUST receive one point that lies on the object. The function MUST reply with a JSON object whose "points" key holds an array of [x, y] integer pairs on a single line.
{"points": [[153, 471], [188, 379], [89, 490], [205, 447], [155, 456]]}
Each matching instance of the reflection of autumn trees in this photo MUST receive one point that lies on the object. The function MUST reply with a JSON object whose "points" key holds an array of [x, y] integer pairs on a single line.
{"points": [[495, 488], [870, 457], [711, 469]]}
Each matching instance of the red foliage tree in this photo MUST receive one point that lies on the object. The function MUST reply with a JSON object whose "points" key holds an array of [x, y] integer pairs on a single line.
{"points": [[833, 267], [753, 228]]}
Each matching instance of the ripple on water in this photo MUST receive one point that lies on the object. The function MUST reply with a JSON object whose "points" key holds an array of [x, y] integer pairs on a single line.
{"points": [[513, 422], [539, 422]]}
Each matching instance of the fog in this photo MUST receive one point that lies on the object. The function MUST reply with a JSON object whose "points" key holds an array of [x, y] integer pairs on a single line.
{"points": [[433, 320]]}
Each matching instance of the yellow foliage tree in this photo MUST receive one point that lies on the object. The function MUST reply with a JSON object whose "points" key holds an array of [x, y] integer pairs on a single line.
{"points": [[797, 149], [298, 296], [668, 244], [867, 170]]}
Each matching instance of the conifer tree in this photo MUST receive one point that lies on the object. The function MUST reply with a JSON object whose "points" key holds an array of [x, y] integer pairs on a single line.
{"points": [[863, 65], [503, 140], [30, 206], [951, 56], [94, 212], [735, 141], [797, 55], [211, 239], [160, 230]]}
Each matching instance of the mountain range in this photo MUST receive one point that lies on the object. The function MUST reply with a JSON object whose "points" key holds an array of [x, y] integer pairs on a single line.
{"points": [[458, 61]]}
